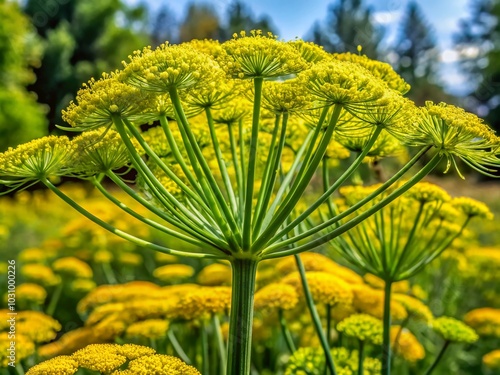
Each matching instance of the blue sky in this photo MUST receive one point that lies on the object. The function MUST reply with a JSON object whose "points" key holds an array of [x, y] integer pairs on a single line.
{"points": [[293, 18]]}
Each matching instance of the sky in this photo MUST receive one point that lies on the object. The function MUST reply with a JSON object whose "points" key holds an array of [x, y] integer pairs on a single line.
{"points": [[294, 18]]}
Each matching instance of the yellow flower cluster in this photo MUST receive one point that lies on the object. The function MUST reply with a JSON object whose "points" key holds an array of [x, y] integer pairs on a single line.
{"points": [[109, 359], [472, 208], [260, 56], [40, 274], [284, 97], [172, 273], [415, 308], [148, 329], [73, 268], [454, 330], [214, 274], [24, 348], [276, 296], [407, 346], [29, 295], [486, 321], [492, 360], [363, 327]]}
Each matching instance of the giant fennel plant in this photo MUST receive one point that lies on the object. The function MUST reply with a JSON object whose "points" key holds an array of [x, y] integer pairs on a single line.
{"points": [[224, 140]]}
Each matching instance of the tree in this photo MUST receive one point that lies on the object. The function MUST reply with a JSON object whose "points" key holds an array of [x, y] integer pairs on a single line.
{"points": [[164, 26], [82, 39], [201, 22], [240, 17], [349, 23], [21, 117], [478, 45]]}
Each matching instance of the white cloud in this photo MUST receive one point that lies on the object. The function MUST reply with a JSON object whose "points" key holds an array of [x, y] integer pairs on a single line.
{"points": [[386, 17]]}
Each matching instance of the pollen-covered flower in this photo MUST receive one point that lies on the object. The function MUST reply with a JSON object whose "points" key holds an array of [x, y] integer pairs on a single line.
{"points": [[173, 272], [485, 320], [167, 67], [82, 286], [260, 55], [214, 274], [363, 327], [492, 360], [37, 326], [29, 294], [24, 347], [148, 329], [284, 97], [61, 365], [454, 330], [343, 83], [98, 101], [471, 207], [407, 345], [456, 133], [425, 192], [203, 302], [35, 160], [71, 267], [276, 296], [159, 364], [415, 308], [325, 288], [99, 151], [40, 274], [311, 52]]}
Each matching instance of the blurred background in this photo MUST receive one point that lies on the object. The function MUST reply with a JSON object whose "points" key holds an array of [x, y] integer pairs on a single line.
{"points": [[447, 50]]}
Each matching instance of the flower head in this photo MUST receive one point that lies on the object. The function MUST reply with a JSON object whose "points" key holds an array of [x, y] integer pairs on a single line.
{"points": [[471, 207], [456, 133], [40, 274], [29, 294], [454, 330], [407, 345], [363, 327], [284, 97], [73, 268], [173, 272], [214, 274], [167, 67], [415, 308], [38, 159], [61, 365], [485, 320], [492, 360], [148, 329], [159, 364], [203, 302], [98, 101], [259, 55], [276, 296]]}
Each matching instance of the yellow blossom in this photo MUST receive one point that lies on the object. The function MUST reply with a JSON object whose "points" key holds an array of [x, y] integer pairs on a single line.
{"points": [[407, 345], [158, 364], [24, 347], [492, 360], [62, 365], [454, 330], [40, 274], [214, 274], [203, 302], [485, 320], [148, 329], [72, 267], [29, 294], [173, 272], [471, 207], [276, 296], [363, 327]]}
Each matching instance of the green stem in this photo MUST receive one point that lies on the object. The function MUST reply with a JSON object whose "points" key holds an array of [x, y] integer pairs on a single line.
{"points": [[252, 161], [386, 340], [55, 299], [352, 209], [438, 358], [286, 332], [353, 222], [204, 349], [315, 316], [19, 369], [109, 274], [177, 347], [220, 344], [241, 316], [119, 233], [220, 161], [329, 325], [237, 168], [361, 357]]}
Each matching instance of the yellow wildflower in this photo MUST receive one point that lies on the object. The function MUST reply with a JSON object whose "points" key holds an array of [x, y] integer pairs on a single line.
{"points": [[309, 51], [471, 207], [407, 345], [363, 327], [173, 272], [35, 160], [148, 329], [214, 274], [167, 67], [37, 326], [129, 259], [82, 285], [72, 267], [62, 365], [371, 301], [492, 360], [203, 302], [276, 296], [24, 347], [98, 101], [165, 258], [158, 364], [376, 282], [454, 330], [486, 321], [284, 97], [425, 192], [40, 274], [29, 294], [415, 308], [259, 55], [325, 288], [32, 255]]}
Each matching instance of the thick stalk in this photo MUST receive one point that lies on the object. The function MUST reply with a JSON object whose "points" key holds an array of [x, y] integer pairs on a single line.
{"points": [[386, 340], [286, 333], [240, 322], [252, 161], [438, 358], [361, 357], [315, 317]]}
